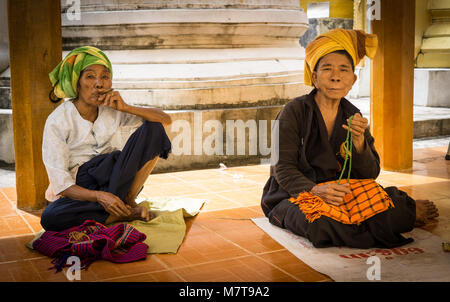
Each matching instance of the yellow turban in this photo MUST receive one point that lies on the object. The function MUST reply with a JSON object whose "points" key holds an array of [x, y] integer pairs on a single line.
{"points": [[356, 42]]}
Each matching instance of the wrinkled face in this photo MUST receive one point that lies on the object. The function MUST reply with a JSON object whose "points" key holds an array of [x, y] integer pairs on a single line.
{"points": [[334, 76], [93, 80]]}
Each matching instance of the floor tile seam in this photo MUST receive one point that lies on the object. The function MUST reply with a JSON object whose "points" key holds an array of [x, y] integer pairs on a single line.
{"points": [[235, 202], [9, 215], [224, 209], [206, 263], [196, 194], [35, 271], [255, 212], [23, 260], [169, 268], [166, 269], [133, 275], [26, 221], [440, 196], [228, 199], [217, 195], [227, 209], [156, 183], [229, 191], [242, 189], [64, 271], [18, 211], [414, 174], [213, 171], [18, 235], [251, 253], [220, 191], [243, 175], [9, 200], [428, 180], [193, 183], [15, 235], [274, 251], [415, 184], [415, 190], [178, 179]]}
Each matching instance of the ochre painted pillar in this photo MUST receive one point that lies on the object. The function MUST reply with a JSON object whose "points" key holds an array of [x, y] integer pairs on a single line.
{"points": [[392, 84], [35, 47]]}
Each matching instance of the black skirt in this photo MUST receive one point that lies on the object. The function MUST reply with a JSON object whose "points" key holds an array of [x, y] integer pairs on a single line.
{"points": [[383, 230]]}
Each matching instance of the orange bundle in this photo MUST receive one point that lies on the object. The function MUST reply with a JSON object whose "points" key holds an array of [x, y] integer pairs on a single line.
{"points": [[366, 200]]}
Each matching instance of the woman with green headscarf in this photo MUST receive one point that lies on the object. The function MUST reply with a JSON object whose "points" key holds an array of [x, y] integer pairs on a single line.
{"points": [[90, 177]]}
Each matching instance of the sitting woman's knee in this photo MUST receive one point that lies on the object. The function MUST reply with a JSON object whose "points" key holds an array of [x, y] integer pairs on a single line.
{"points": [[49, 219], [153, 126]]}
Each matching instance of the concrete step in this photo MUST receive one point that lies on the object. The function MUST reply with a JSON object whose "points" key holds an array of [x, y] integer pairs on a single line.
{"points": [[439, 5], [184, 28], [5, 93], [135, 5], [5, 98], [6, 136], [203, 79], [428, 121], [437, 30]]}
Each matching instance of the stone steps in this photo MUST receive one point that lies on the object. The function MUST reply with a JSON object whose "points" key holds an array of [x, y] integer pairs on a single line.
{"points": [[5, 93], [435, 48], [185, 28], [428, 121], [97, 5], [5, 98], [6, 136], [185, 79]]}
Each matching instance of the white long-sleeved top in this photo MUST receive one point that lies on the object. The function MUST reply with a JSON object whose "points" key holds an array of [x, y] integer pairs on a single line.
{"points": [[69, 141]]}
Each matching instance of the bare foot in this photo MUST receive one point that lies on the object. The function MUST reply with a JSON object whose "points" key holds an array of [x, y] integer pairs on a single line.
{"points": [[425, 210], [137, 213]]}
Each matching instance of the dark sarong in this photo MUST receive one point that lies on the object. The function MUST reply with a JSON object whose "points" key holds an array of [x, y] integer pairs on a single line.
{"points": [[382, 230], [112, 172]]}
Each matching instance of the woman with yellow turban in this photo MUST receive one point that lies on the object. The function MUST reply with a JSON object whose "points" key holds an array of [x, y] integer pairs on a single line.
{"points": [[323, 137], [92, 175]]}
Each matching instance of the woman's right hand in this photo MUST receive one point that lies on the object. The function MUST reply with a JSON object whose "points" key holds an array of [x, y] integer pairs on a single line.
{"points": [[112, 204], [332, 193]]}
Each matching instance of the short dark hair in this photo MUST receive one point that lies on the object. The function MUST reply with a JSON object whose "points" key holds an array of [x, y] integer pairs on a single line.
{"points": [[342, 52]]}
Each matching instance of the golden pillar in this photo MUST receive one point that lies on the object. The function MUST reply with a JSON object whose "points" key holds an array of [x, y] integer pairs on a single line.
{"points": [[35, 48], [392, 83]]}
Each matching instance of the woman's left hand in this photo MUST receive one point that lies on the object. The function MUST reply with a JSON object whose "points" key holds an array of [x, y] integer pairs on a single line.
{"points": [[114, 100], [357, 128]]}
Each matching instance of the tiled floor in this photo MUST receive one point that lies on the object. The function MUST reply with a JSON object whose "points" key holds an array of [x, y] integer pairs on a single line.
{"points": [[221, 243]]}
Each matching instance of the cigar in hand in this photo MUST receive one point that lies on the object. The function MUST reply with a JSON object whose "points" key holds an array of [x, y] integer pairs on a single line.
{"points": [[106, 91]]}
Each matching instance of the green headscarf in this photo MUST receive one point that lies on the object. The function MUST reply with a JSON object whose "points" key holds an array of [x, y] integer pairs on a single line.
{"points": [[64, 77]]}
